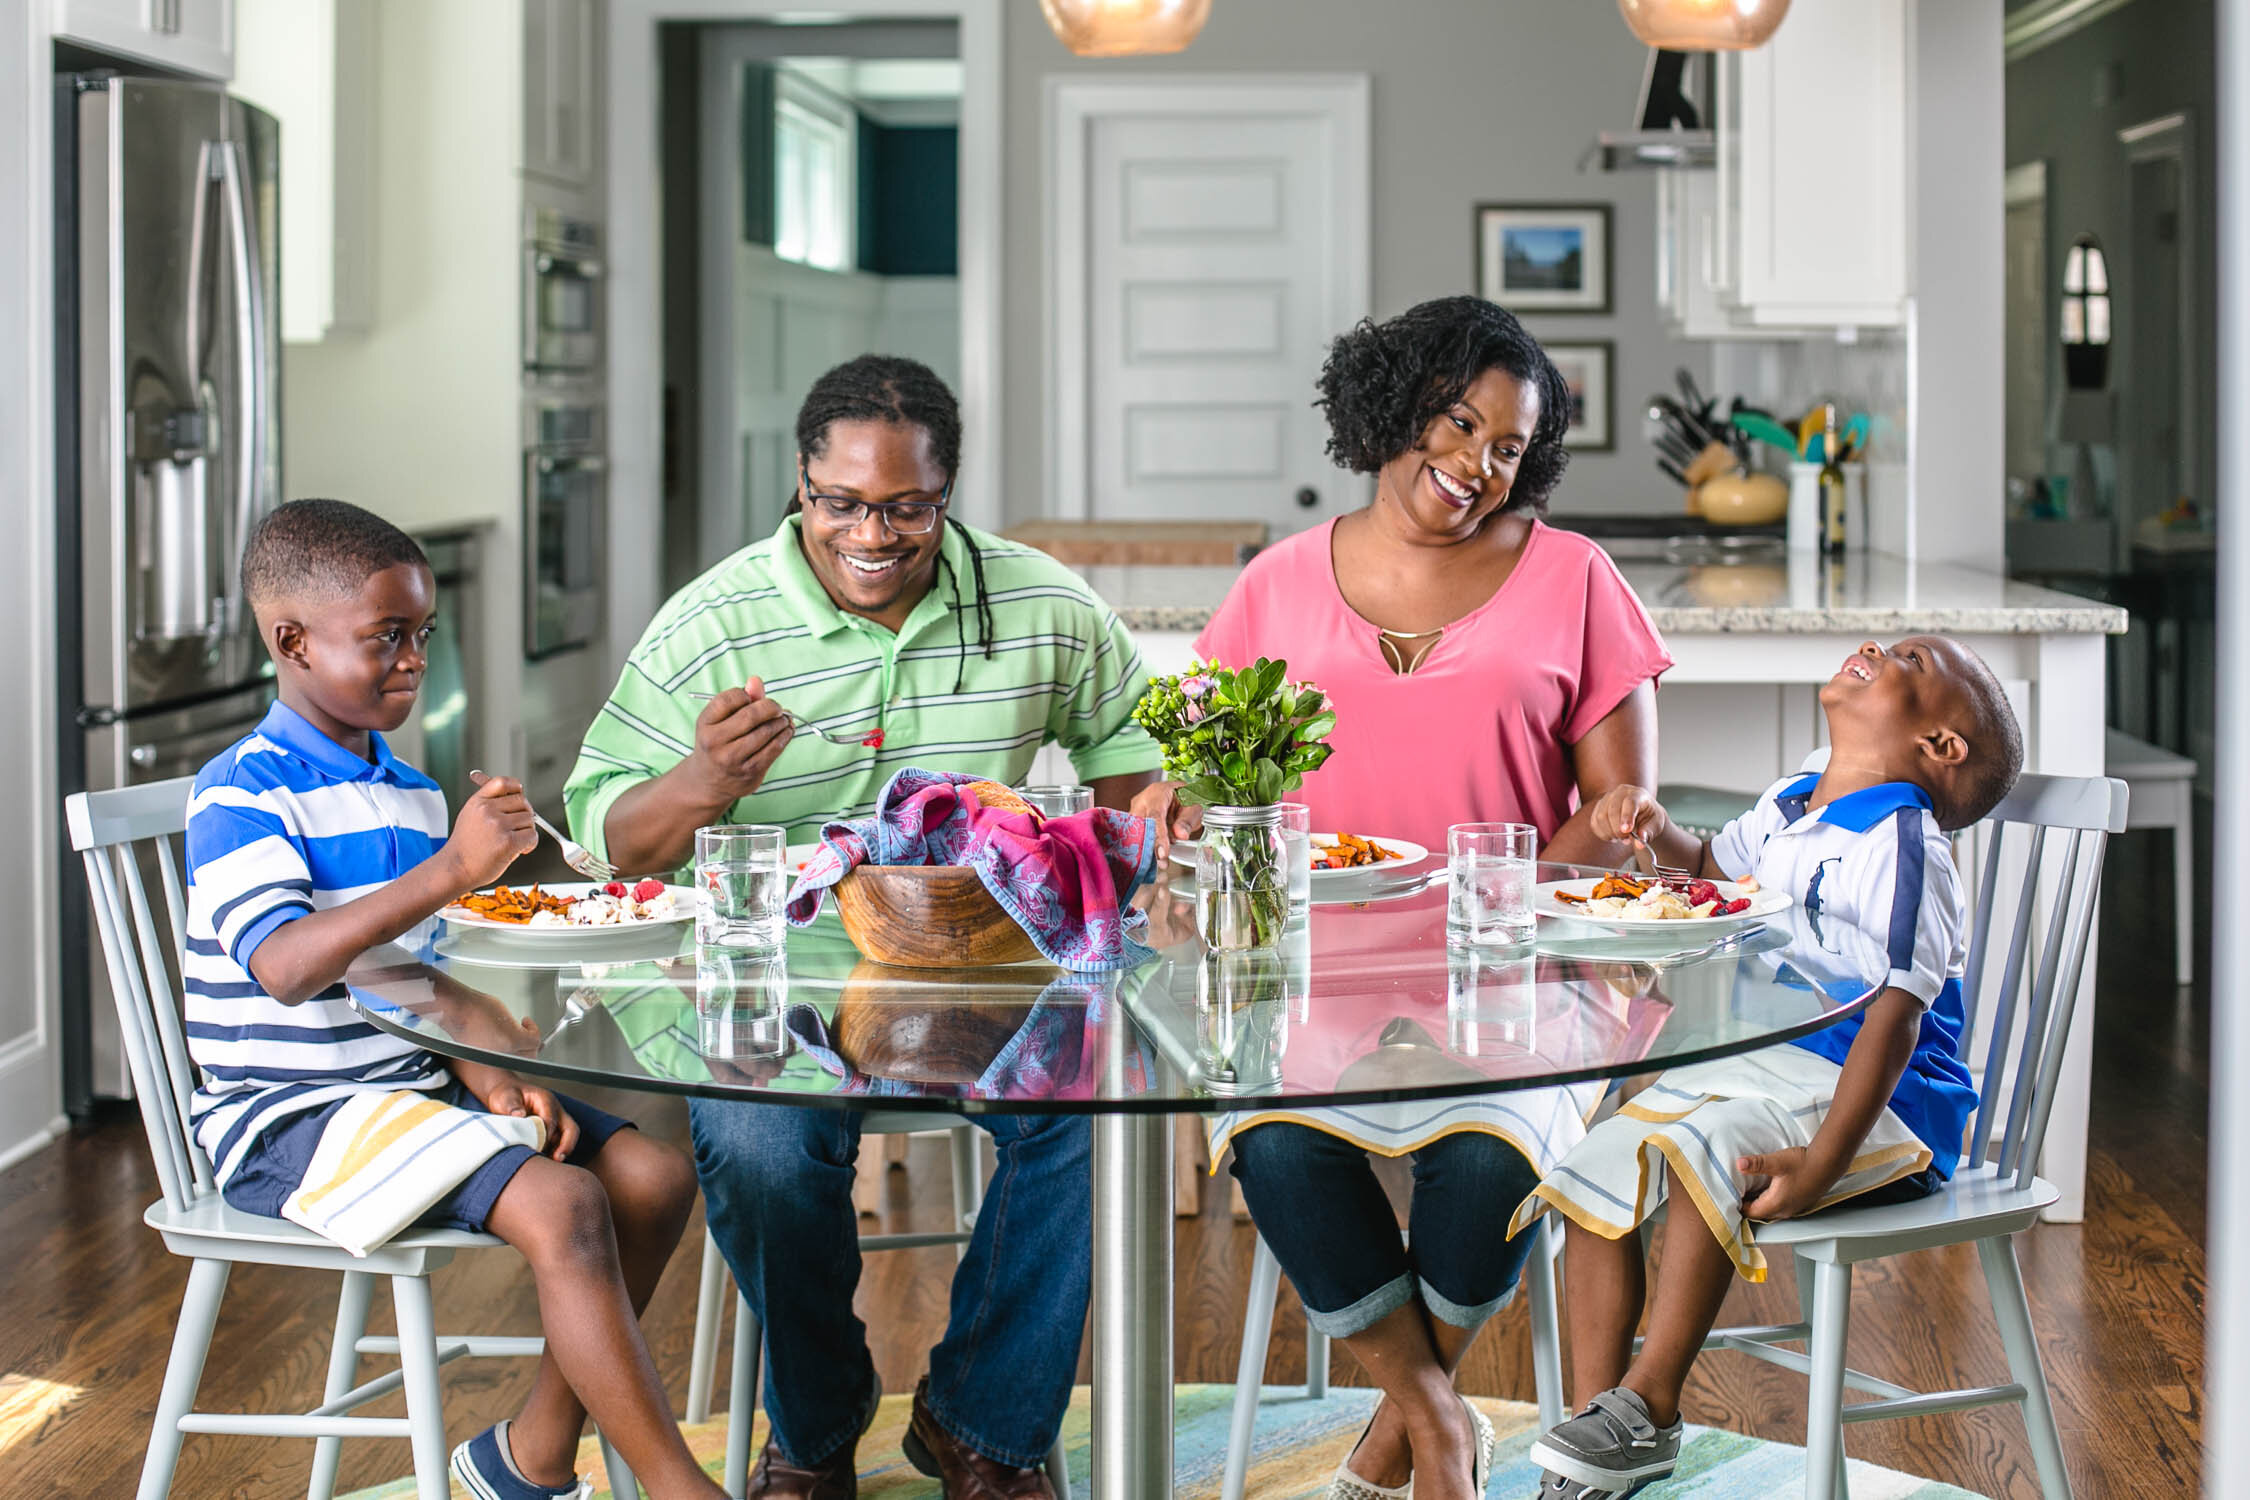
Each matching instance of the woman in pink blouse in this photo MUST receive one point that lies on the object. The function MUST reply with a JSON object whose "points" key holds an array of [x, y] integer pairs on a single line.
{"points": [[1483, 668]]}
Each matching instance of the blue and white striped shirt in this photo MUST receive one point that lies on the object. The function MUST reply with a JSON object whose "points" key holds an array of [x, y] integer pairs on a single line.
{"points": [[283, 823]]}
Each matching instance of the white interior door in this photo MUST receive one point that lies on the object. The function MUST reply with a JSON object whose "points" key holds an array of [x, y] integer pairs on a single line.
{"points": [[1210, 238]]}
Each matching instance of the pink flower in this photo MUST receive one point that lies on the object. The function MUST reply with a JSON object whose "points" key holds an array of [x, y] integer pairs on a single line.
{"points": [[1192, 713], [1195, 688]]}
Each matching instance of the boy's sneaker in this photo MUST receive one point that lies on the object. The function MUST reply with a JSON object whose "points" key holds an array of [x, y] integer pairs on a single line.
{"points": [[1613, 1447], [486, 1468]]}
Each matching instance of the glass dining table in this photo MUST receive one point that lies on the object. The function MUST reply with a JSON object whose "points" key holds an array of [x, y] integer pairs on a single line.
{"points": [[1362, 1003]]}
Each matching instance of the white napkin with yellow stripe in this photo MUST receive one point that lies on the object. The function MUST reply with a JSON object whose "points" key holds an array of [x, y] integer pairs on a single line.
{"points": [[1692, 1124], [383, 1159]]}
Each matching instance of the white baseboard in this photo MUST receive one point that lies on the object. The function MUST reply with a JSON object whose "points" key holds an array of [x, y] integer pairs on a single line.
{"points": [[39, 1140]]}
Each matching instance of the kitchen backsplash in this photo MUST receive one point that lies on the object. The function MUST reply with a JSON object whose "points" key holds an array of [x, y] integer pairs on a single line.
{"points": [[1868, 374]]}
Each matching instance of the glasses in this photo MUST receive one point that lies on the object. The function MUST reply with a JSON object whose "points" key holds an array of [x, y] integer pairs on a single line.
{"points": [[899, 517]]}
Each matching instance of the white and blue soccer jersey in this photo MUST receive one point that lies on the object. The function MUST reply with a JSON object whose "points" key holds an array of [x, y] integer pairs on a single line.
{"points": [[1874, 864], [283, 823]]}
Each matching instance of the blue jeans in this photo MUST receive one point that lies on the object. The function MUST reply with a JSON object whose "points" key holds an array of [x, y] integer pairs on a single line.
{"points": [[777, 1187], [1315, 1199]]}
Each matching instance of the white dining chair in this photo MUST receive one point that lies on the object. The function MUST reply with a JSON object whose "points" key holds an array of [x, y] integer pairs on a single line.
{"points": [[111, 831], [1257, 1336], [743, 1385], [1994, 1193]]}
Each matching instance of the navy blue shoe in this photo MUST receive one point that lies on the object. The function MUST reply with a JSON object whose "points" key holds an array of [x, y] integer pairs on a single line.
{"points": [[485, 1466]]}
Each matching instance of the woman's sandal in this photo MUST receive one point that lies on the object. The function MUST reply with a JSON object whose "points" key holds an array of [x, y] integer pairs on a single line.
{"points": [[1481, 1427], [1349, 1486]]}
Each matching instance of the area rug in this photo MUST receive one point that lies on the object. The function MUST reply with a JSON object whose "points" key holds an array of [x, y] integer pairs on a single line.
{"points": [[1300, 1442]]}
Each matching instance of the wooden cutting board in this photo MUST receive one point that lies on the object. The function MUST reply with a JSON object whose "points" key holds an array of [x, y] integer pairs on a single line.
{"points": [[1218, 544]]}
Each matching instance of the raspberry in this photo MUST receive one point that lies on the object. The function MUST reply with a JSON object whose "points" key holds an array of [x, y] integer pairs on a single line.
{"points": [[647, 890], [873, 739], [615, 888]]}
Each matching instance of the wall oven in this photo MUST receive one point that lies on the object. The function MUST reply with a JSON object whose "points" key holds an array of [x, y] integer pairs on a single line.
{"points": [[562, 305], [565, 509]]}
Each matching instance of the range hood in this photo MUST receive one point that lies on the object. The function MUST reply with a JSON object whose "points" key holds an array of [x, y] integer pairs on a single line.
{"points": [[1673, 118]]}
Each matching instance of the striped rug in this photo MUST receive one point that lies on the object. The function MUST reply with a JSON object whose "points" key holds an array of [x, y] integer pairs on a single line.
{"points": [[1301, 1441]]}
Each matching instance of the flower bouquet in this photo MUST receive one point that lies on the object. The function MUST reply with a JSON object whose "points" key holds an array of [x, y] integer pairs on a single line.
{"points": [[1238, 742]]}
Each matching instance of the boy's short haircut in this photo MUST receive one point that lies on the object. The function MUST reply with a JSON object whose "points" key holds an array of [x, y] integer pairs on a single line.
{"points": [[1995, 748], [323, 547]]}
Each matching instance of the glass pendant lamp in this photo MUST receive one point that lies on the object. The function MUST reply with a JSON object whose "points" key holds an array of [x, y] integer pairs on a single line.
{"points": [[1702, 25], [1124, 28]]}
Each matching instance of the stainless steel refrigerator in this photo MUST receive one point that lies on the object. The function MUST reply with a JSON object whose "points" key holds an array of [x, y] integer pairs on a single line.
{"points": [[168, 451]]}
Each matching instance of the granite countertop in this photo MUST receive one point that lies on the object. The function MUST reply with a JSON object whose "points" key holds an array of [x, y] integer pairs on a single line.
{"points": [[1869, 594]]}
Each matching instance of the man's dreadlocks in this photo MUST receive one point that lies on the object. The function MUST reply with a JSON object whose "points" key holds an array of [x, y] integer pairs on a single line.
{"points": [[886, 388]]}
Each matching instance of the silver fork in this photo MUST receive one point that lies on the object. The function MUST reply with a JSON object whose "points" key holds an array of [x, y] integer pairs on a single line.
{"points": [[1645, 857], [577, 856], [807, 725]]}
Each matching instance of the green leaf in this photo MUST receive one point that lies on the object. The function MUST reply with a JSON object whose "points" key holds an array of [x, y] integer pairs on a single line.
{"points": [[1269, 782], [1316, 728]]}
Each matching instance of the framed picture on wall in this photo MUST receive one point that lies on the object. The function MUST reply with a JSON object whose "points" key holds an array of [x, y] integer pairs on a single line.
{"points": [[1585, 370], [1544, 257]]}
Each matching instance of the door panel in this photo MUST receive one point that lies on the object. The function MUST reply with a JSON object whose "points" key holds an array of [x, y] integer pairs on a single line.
{"points": [[1211, 240]]}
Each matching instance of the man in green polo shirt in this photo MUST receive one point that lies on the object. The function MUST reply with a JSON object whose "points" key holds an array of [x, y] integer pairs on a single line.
{"points": [[904, 638]]}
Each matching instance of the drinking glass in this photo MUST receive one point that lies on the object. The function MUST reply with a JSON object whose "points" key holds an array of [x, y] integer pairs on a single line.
{"points": [[1492, 1002], [1296, 847], [741, 880], [739, 998], [1060, 801], [1490, 871]]}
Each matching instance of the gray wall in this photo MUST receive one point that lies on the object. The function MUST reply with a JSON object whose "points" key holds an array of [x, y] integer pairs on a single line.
{"points": [[1474, 101]]}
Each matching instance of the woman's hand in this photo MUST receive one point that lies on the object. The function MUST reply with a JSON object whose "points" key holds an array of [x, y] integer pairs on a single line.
{"points": [[1629, 814], [1160, 803]]}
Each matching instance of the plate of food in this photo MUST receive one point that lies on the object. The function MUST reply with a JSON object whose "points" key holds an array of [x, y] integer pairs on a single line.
{"points": [[1635, 904], [573, 909], [1337, 856]]}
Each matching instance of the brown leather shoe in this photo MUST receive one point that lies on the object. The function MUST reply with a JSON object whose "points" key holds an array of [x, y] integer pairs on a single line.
{"points": [[776, 1478], [965, 1473]]}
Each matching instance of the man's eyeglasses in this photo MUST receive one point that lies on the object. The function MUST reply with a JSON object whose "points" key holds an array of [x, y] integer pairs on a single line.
{"points": [[899, 517]]}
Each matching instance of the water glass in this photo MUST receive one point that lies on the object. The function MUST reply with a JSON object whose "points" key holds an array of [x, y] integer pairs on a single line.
{"points": [[1491, 1003], [739, 1000], [1059, 801], [1296, 847], [741, 881], [1491, 869]]}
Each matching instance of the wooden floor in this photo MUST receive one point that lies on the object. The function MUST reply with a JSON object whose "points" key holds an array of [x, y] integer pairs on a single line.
{"points": [[90, 1296]]}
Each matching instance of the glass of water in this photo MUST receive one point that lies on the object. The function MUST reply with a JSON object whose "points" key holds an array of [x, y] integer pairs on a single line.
{"points": [[739, 1000], [1490, 871], [1060, 801], [741, 878], [1492, 1002], [1296, 847]]}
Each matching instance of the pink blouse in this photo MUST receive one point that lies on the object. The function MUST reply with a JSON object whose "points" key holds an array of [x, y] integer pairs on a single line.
{"points": [[1480, 730]]}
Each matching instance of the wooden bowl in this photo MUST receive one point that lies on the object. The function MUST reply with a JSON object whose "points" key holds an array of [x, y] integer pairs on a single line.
{"points": [[928, 917], [906, 1024], [1742, 500]]}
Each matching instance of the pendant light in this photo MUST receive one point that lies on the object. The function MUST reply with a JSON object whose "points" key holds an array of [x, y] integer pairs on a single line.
{"points": [[1703, 25], [1123, 28]]}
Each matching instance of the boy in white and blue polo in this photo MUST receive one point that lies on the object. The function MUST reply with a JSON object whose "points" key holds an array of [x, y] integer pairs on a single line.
{"points": [[308, 844], [1922, 742]]}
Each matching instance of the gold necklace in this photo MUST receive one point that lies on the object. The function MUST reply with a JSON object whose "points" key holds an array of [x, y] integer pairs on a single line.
{"points": [[1389, 640]]}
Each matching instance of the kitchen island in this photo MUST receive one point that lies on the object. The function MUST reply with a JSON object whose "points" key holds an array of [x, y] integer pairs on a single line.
{"points": [[1754, 636]]}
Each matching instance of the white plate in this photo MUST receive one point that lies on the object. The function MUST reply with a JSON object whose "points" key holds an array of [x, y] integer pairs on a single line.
{"points": [[1403, 854], [683, 902], [1763, 904], [1592, 944]]}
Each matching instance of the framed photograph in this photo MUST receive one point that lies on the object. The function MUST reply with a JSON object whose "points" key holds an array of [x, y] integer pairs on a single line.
{"points": [[1544, 257], [1586, 370]]}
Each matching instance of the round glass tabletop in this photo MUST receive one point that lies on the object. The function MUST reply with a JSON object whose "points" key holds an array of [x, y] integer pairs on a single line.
{"points": [[1361, 1003]]}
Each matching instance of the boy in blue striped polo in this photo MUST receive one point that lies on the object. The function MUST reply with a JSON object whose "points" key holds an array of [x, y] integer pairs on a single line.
{"points": [[309, 843], [1872, 1109]]}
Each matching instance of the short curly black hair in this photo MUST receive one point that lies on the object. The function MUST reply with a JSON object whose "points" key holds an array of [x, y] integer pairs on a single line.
{"points": [[883, 388], [319, 549], [1384, 383], [1995, 748]]}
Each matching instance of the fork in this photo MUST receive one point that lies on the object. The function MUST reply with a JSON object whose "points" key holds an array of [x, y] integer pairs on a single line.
{"points": [[807, 725], [577, 856], [1646, 858]]}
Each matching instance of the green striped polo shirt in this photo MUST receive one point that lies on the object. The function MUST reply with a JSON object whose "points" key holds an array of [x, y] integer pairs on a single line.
{"points": [[1062, 669]]}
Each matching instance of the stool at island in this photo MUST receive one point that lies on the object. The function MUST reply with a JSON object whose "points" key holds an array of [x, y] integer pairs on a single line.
{"points": [[2163, 796]]}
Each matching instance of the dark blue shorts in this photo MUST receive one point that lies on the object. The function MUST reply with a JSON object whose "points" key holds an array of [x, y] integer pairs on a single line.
{"points": [[276, 1164]]}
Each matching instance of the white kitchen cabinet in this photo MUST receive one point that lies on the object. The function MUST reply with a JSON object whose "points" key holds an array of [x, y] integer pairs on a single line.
{"points": [[1803, 226], [1810, 217], [194, 37], [562, 91], [311, 64]]}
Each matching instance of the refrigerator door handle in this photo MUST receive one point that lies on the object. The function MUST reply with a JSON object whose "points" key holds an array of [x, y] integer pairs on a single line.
{"points": [[255, 389]]}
